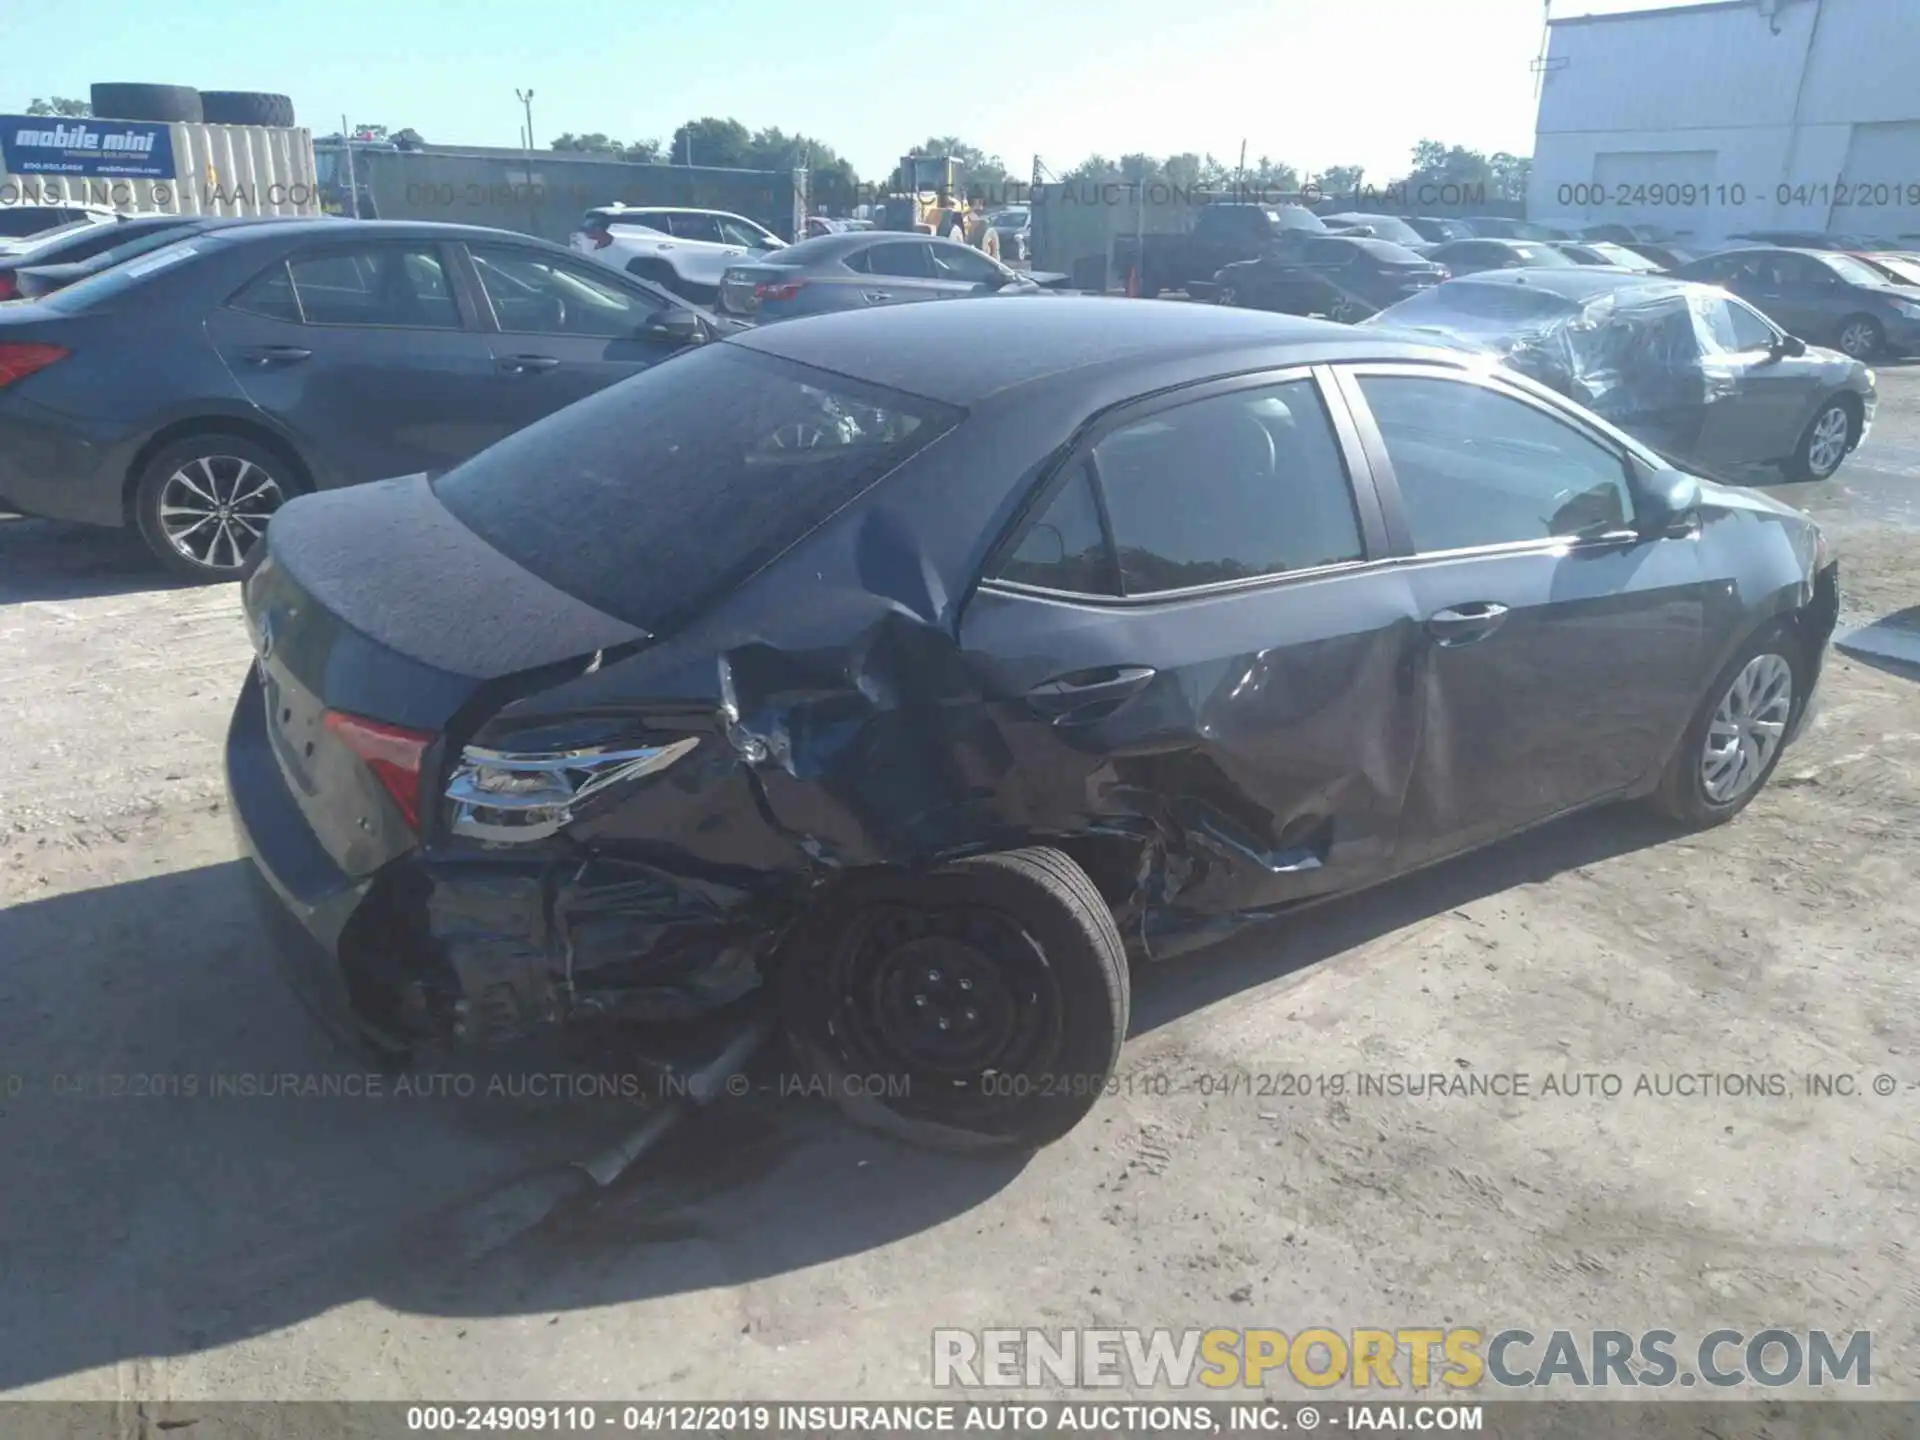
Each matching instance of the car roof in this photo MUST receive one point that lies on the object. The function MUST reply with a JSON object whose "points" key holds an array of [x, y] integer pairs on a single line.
{"points": [[618, 205], [965, 352], [332, 226], [1582, 282]]}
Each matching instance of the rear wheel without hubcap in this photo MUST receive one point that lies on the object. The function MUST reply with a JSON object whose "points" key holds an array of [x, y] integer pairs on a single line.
{"points": [[978, 1006], [204, 504]]}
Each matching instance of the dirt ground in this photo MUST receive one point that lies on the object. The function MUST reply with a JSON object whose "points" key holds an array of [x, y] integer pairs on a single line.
{"points": [[168, 1245]]}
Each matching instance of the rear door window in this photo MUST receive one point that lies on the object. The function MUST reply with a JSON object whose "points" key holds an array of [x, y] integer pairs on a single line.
{"points": [[695, 227], [1228, 488], [906, 258], [654, 496], [269, 294], [393, 286]]}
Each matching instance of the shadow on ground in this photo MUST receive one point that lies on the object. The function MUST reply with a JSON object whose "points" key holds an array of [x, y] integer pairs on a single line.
{"points": [[148, 1215], [51, 560]]}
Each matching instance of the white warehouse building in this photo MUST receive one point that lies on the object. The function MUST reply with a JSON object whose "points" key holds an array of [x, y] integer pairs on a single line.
{"points": [[1715, 119]]}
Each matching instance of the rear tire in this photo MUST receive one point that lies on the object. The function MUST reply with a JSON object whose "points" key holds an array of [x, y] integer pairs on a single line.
{"points": [[246, 107], [1861, 337], [1700, 790], [991, 994], [175, 104], [203, 502]]}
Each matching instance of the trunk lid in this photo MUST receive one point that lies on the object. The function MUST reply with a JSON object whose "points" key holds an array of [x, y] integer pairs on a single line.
{"points": [[374, 603], [740, 286]]}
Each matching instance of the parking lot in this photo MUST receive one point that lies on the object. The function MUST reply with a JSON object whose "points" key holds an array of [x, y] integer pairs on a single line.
{"points": [[168, 1234]]}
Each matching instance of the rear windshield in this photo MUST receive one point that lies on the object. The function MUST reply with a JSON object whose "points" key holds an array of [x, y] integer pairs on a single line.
{"points": [[658, 494], [105, 285]]}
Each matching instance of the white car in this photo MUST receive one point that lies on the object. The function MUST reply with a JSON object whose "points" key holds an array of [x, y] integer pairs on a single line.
{"points": [[686, 251]]}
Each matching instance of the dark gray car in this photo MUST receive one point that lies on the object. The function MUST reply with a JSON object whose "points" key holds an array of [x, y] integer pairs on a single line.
{"points": [[1470, 257], [190, 391], [874, 267], [1819, 295], [1687, 369]]}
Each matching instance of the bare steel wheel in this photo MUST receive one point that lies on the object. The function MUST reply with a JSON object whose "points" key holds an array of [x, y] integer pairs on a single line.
{"points": [[1747, 729], [978, 1005], [203, 503]]}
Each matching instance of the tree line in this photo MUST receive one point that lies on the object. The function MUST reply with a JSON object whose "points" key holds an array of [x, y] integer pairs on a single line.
{"points": [[834, 183]]}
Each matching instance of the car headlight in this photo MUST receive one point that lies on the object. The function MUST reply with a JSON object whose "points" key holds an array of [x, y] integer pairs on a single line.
{"points": [[1908, 309]]}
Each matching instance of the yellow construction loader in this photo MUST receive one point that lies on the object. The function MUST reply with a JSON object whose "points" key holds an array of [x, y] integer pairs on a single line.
{"points": [[932, 200]]}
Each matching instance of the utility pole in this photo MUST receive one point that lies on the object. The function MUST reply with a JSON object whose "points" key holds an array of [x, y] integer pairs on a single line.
{"points": [[525, 98], [1240, 175]]}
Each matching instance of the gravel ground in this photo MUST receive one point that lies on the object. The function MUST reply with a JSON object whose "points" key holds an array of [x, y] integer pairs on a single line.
{"points": [[175, 1246]]}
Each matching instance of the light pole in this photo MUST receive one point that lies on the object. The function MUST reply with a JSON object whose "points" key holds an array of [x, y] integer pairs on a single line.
{"points": [[525, 97]]}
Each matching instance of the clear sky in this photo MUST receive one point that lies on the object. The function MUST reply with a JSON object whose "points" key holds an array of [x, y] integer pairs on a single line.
{"points": [[1310, 82]]}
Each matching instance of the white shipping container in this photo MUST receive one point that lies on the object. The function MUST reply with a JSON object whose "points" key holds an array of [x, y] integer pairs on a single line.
{"points": [[230, 170]]}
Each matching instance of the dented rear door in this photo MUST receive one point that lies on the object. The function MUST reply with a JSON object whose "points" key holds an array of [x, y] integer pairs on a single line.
{"points": [[1190, 636]]}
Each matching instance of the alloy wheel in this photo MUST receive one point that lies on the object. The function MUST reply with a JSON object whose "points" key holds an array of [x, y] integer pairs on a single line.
{"points": [[213, 509], [1228, 295], [1747, 729], [1828, 445], [1859, 340]]}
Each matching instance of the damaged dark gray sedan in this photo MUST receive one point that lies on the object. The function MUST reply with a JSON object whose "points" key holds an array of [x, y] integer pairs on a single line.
{"points": [[908, 672]]}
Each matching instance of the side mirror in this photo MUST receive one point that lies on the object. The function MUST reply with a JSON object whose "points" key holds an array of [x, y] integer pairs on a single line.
{"points": [[1789, 345], [1668, 501], [681, 327]]}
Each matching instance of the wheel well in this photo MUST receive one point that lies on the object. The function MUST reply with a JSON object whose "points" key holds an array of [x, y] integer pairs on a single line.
{"points": [[210, 425], [651, 267], [1854, 408]]}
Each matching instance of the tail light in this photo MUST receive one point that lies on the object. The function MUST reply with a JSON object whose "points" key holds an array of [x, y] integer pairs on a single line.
{"points": [[1443, 272], [778, 289], [9, 287], [22, 358], [394, 755], [511, 797]]}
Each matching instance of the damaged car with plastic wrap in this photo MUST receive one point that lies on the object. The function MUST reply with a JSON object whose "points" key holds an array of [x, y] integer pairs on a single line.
{"points": [[908, 683], [1686, 368]]}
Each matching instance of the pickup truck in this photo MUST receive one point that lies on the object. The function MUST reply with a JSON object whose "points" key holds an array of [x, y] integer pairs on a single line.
{"points": [[1223, 232]]}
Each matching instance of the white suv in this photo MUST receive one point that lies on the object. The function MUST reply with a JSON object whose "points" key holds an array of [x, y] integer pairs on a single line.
{"points": [[684, 250]]}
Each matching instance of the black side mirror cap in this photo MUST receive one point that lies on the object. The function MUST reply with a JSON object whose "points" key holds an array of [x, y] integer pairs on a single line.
{"points": [[1790, 345]]}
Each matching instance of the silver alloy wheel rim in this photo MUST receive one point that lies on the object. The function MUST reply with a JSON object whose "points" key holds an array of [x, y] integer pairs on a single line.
{"points": [[213, 508], [1747, 728], [1857, 339], [1829, 444], [1228, 295]]}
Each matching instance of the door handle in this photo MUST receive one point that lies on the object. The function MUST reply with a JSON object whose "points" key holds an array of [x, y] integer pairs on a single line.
{"points": [[527, 364], [877, 294], [1464, 624], [275, 355], [1066, 698]]}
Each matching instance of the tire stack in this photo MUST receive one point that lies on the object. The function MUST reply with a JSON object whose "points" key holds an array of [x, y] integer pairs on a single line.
{"points": [[182, 104]]}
